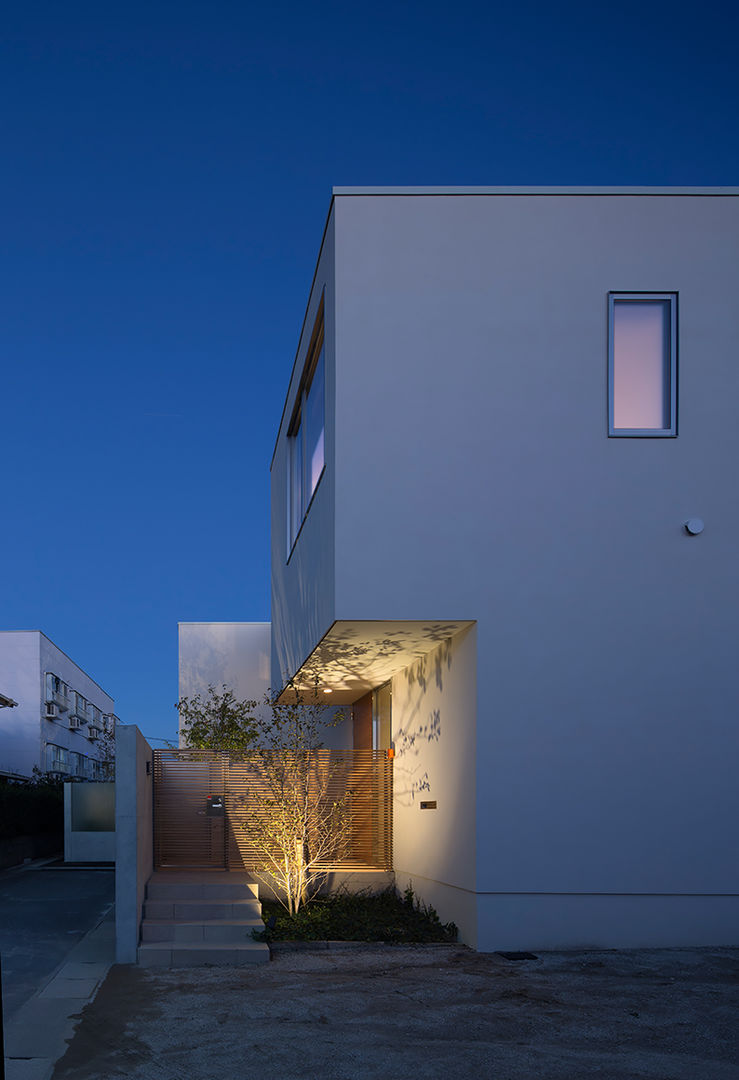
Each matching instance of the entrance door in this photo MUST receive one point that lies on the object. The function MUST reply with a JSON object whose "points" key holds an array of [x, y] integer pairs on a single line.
{"points": [[190, 824]]}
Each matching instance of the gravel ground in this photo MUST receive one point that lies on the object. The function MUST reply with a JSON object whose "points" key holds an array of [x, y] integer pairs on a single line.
{"points": [[419, 1012]]}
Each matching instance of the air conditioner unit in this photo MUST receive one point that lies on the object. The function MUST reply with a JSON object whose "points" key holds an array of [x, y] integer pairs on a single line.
{"points": [[93, 733], [75, 723], [52, 710]]}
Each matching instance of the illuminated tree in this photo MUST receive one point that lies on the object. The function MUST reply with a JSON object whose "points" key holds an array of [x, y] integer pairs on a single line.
{"points": [[298, 816], [296, 811]]}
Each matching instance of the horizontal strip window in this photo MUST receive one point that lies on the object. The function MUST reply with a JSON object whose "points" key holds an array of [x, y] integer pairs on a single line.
{"points": [[642, 364]]}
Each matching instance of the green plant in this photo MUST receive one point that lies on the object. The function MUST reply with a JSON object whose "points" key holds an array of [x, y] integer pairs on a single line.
{"points": [[106, 754], [294, 824], [362, 916], [219, 721]]}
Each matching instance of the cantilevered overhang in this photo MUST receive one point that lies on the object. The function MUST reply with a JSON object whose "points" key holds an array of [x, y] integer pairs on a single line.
{"points": [[357, 656]]}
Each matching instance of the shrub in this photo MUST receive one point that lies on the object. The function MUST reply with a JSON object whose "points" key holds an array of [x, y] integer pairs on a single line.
{"points": [[362, 916], [31, 807]]}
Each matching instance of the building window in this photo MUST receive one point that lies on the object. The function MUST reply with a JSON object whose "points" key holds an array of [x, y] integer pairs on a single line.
{"points": [[56, 691], [642, 364], [382, 710], [305, 435], [57, 758]]}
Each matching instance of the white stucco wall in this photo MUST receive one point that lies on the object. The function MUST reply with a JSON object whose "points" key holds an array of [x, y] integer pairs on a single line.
{"points": [[229, 654], [474, 479], [235, 655], [433, 731]]}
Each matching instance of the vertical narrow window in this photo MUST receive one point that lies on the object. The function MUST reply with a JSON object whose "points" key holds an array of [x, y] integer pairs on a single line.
{"points": [[642, 364], [314, 426], [382, 706], [295, 482], [306, 450]]}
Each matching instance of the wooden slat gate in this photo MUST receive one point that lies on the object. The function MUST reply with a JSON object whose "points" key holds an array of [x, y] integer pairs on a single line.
{"points": [[185, 834], [188, 833]]}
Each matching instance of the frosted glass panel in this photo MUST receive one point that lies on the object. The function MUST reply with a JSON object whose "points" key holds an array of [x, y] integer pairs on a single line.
{"points": [[93, 807], [641, 365]]}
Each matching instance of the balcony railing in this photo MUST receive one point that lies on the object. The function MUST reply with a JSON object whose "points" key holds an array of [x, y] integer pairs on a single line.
{"points": [[57, 692], [78, 707]]}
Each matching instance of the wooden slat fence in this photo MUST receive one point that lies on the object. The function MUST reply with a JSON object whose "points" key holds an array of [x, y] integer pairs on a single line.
{"points": [[353, 785]]}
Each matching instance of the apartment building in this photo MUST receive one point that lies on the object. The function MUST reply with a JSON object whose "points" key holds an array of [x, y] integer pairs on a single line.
{"points": [[61, 716]]}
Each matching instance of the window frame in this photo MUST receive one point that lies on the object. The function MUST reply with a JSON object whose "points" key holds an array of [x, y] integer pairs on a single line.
{"points": [[377, 717], [669, 432], [297, 433]]}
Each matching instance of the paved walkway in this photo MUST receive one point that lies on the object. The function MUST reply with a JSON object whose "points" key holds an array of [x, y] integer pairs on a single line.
{"points": [[51, 971], [44, 913]]}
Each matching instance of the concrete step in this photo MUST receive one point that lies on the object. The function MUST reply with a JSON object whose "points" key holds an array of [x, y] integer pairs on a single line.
{"points": [[199, 910], [197, 954], [193, 918], [202, 890], [224, 931]]}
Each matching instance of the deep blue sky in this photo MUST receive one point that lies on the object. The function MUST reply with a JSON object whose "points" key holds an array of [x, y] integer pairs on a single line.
{"points": [[166, 172]]}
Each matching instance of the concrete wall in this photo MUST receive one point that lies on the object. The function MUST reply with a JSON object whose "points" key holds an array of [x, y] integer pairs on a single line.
{"points": [[134, 809], [89, 822], [303, 588], [474, 479]]}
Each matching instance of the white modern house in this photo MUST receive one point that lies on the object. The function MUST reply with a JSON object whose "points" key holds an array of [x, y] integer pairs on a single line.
{"points": [[60, 713], [504, 536]]}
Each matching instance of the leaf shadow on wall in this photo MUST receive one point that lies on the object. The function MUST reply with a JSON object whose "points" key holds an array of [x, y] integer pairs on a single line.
{"points": [[421, 726], [347, 659]]}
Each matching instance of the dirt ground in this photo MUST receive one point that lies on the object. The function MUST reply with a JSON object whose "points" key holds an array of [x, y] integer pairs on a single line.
{"points": [[419, 1012]]}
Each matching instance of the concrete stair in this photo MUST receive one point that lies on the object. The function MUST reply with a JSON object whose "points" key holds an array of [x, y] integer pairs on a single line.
{"points": [[193, 918]]}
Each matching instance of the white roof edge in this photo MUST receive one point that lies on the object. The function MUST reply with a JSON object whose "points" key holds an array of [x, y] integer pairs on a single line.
{"points": [[654, 190], [222, 622]]}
